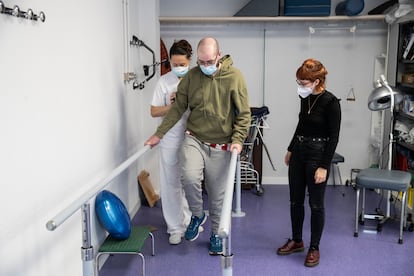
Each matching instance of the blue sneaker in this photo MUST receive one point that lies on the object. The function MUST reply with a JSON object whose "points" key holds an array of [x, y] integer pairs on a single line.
{"points": [[191, 233], [216, 245]]}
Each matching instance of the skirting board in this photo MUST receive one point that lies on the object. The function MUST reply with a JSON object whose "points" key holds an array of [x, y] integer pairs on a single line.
{"points": [[274, 180]]}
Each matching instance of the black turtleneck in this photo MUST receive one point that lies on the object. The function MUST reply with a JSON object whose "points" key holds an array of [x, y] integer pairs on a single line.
{"points": [[320, 117]]}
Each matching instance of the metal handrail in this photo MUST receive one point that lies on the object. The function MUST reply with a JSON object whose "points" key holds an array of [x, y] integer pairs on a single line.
{"points": [[224, 230], [83, 204], [225, 218], [62, 216]]}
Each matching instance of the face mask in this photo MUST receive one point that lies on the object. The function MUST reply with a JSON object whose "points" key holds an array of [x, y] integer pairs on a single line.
{"points": [[208, 70], [303, 91], [180, 71]]}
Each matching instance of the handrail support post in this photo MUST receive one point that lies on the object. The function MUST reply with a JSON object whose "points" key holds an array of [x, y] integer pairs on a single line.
{"points": [[227, 257], [87, 248], [237, 210]]}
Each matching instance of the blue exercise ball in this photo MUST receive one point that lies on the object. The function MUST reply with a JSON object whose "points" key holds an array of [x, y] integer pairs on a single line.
{"points": [[113, 215]]}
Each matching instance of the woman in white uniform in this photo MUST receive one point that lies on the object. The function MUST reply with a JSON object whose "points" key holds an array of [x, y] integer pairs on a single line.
{"points": [[174, 204]]}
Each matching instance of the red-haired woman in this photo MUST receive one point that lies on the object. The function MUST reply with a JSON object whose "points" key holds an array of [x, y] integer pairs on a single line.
{"points": [[309, 156]]}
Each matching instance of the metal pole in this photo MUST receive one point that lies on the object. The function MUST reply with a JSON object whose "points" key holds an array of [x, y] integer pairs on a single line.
{"points": [[391, 137], [87, 249], [227, 258], [237, 211], [225, 220]]}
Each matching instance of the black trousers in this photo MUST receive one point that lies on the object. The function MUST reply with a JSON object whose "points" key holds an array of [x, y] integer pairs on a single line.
{"points": [[302, 167]]}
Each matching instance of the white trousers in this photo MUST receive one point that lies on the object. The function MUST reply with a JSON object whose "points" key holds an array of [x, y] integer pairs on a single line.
{"points": [[174, 204]]}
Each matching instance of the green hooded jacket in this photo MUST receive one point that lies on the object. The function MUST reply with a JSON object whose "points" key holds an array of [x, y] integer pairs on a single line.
{"points": [[219, 105]]}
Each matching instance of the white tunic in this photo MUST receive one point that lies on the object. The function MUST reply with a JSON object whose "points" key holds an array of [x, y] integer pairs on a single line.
{"points": [[166, 85]]}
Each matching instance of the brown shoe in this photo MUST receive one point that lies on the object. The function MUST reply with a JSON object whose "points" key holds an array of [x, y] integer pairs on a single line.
{"points": [[290, 247], [312, 258]]}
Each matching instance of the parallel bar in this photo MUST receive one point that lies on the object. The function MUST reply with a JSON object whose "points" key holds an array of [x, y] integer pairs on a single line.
{"points": [[225, 219], [87, 248], [237, 209], [77, 204]]}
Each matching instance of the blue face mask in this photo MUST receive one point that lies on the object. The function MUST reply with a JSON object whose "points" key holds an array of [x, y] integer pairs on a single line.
{"points": [[180, 71], [208, 70]]}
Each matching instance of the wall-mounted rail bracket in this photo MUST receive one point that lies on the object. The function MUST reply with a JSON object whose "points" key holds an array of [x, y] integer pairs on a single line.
{"points": [[129, 76], [139, 43], [15, 11]]}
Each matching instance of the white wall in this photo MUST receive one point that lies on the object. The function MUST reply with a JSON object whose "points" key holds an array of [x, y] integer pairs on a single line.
{"points": [[67, 120], [269, 53]]}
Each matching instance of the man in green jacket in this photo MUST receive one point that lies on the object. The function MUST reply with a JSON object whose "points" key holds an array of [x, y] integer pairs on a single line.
{"points": [[216, 94]]}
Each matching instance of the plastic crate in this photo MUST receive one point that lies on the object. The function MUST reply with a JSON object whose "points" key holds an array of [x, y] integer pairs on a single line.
{"points": [[307, 8]]}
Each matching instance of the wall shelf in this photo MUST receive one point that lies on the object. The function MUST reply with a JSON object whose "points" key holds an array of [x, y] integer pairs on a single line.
{"points": [[257, 19]]}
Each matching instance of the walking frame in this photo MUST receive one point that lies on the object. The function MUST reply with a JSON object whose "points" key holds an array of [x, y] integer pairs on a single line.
{"points": [[250, 177]]}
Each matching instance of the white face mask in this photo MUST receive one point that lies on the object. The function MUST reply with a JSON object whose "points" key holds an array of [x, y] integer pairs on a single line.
{"points": [[304, 91], [180, 71]]}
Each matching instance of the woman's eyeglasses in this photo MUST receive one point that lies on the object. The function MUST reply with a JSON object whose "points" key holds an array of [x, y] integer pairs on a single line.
{"points": [[303, 82]]}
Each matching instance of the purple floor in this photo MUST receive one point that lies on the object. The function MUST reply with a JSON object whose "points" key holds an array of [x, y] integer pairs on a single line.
{"points": [[265, 227]]}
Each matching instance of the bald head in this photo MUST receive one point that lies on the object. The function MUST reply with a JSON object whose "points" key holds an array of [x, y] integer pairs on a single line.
{"points": [[208, 49], [209, 42]]}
